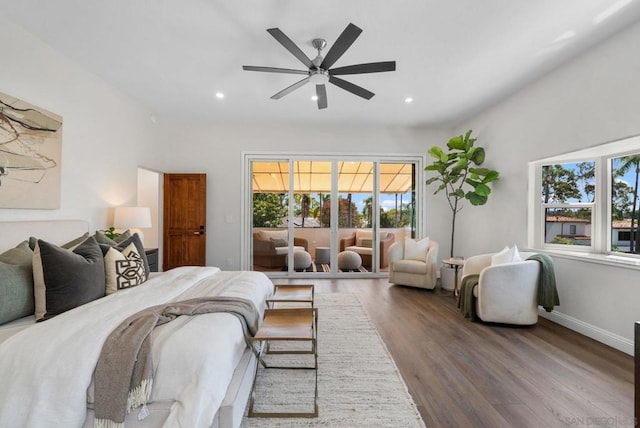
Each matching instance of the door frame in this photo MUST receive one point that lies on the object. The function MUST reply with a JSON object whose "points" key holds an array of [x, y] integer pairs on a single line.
{"points": [[246, 216], [200, 230]]}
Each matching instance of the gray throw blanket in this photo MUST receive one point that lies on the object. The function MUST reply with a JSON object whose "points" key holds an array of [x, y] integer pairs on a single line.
{"points": [[123, 375]]}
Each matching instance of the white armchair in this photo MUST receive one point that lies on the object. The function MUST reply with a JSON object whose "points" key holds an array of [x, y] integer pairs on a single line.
{"points": [[414, 263], [506, 293]]}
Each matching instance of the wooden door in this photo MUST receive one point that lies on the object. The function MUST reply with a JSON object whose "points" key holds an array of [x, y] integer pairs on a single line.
{"points": [[184, 220]]}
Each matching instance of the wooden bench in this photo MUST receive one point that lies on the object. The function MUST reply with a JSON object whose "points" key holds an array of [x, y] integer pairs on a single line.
{"points": [[292, 293], [287, 324]]}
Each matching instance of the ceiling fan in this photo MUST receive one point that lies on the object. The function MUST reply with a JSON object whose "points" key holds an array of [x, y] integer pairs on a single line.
{"points": [[319, 69]]}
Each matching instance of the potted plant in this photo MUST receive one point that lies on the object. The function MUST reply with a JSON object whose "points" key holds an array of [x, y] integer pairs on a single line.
{"points": [[458, 174]]}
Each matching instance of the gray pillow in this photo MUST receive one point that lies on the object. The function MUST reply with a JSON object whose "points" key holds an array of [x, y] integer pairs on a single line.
{"points": [[16, 283], [104, 239], [68, 245], [65, 279]]}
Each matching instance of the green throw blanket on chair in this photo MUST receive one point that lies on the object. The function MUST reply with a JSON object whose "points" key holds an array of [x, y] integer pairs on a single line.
{"points": [[466, 302], [547, 291]]}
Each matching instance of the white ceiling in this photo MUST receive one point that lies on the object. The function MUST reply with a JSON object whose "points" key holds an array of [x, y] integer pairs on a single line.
{"points": [[454, 57]]}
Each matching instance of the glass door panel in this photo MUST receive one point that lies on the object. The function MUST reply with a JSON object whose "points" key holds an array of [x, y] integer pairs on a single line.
{"points": [[269, 204], [397, 206], [357, 243], [312, 214], [317, 217]]}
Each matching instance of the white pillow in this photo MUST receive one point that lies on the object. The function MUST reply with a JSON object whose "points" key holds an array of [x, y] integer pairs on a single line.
{"points": [[416, 250], [507, 255]]}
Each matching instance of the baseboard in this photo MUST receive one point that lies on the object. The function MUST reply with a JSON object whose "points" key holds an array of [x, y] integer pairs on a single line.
{"points": [[615, 341]]}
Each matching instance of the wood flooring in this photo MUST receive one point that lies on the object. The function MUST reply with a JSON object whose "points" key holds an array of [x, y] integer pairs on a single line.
{"points": [[471, 374]]}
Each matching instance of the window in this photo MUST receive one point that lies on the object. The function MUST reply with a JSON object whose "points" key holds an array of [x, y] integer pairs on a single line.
{"points": [[567, 196], [625, 171], [624, 235], [588, 200]]}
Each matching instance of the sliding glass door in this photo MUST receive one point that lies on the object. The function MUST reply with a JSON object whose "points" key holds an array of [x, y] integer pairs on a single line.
{"points": [[335, 216]]}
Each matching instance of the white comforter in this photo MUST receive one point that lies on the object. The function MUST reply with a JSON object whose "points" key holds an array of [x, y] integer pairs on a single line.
{"points": [[46, 370]]}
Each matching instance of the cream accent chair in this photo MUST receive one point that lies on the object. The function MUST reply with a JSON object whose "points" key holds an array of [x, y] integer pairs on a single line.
{"points": [[507, 292], [412, 272]]}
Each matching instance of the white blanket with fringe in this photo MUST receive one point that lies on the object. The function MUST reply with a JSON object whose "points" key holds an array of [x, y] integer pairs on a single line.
{"points": [[47, 369]]}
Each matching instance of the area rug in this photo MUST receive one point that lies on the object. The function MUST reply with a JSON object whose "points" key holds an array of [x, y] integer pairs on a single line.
{"points": [[327, 268], [358, 382]]}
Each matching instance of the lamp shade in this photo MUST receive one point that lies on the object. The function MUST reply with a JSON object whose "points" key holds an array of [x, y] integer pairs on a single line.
{"points": [[131, 217]]}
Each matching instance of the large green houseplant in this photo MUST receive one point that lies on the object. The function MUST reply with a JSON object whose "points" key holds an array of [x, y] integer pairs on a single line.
{"points": [[459, 175]]}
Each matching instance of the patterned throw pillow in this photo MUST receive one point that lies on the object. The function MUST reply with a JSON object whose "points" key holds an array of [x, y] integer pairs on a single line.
{"points": [[123, 268]]}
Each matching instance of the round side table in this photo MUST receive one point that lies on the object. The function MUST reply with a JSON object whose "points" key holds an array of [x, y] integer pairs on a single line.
{"points": [[456, 264], [323, 255]]}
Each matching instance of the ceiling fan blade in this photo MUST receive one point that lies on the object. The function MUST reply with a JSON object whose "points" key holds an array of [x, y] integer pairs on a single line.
{"points": [[350, 87], [290, 89], [371, 67], [290, 46], [321, 93], [346, 39], [273, 69]]}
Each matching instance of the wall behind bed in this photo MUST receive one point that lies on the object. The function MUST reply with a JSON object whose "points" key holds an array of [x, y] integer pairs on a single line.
{"points": [[106, 135]]}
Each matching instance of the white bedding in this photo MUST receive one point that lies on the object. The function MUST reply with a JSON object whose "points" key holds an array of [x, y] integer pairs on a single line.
{"points": [[46, 369]]}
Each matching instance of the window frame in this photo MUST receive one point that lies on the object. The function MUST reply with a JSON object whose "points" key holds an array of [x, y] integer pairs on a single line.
{"points": [[601, 226]]}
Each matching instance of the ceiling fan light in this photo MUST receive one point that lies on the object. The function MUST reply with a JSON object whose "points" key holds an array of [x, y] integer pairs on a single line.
{"points": [[318, 77]]}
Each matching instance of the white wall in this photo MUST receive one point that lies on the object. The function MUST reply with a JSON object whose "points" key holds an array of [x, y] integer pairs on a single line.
{"points": [[105, 135], [592, 100], [149, 195], [217, 151]]}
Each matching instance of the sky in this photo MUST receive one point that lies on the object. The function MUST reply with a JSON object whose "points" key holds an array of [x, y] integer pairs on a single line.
{"points": [[628, 178]]}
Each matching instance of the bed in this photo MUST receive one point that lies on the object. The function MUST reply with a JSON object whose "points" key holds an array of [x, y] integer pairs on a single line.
{"points": [[203, 369]]}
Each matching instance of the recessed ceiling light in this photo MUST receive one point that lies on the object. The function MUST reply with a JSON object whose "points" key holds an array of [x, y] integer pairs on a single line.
{"points": [[408, 100], [314, 98], [219, 95]]}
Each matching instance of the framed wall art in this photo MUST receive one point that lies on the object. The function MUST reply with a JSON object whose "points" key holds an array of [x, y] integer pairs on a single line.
{"points": [[30, 154]]}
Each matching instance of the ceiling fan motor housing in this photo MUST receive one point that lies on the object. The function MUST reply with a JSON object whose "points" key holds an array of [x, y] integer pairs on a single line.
{"points": [[318, 76]]}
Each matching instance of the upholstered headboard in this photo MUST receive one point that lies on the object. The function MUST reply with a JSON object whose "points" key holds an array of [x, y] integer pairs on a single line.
{"points": [[54, 231]]}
